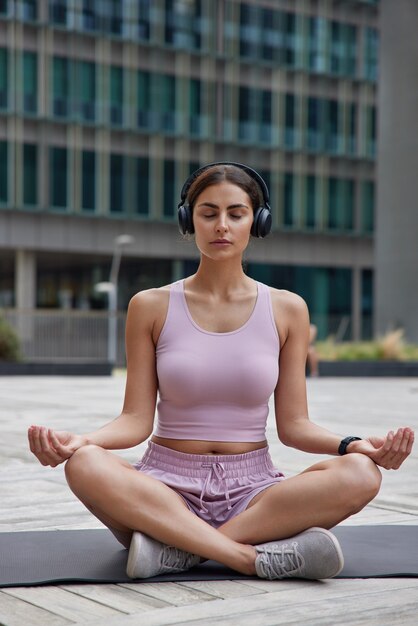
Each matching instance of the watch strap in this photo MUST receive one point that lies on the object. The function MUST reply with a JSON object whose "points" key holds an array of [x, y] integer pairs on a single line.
{"points": [[342, 448]]}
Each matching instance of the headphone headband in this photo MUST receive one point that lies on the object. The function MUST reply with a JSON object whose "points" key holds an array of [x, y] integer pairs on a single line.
{"points": [[262, 215]]}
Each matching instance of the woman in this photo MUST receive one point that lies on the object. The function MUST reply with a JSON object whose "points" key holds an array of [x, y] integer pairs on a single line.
{"points": [[212, 346]]}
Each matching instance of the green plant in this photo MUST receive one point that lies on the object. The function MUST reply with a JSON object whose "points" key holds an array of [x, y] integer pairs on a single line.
{"points": [[9, 342], [390, 347]]}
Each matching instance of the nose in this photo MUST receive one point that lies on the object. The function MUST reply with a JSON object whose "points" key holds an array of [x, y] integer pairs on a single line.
{"points": [[222, 223]]}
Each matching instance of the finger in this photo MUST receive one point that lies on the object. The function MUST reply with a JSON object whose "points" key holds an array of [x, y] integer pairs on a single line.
{"points": [[43, 438], [36, 444], [400, 450], [61, 451], [31, 438]]}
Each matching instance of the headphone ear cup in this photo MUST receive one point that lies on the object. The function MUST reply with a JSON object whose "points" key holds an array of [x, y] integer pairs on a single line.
{"points": [[262, 222], [185, 219]]}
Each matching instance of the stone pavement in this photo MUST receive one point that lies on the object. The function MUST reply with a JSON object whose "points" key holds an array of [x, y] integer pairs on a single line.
{"points": [[33, 497]]}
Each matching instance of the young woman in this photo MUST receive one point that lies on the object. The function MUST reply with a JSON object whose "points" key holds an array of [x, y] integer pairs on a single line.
{"points": [[215, 347]]}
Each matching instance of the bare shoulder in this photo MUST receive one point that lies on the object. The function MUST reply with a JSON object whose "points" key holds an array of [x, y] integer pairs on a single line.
{"points": [[290, 311], [149, 308]]}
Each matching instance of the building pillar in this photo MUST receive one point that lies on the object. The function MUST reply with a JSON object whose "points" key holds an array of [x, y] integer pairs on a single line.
{"points": [[396, 249], [356, 304], [25, 279]]}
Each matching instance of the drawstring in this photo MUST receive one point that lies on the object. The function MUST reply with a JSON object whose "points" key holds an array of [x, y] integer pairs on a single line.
{"points": [[217, 470]]}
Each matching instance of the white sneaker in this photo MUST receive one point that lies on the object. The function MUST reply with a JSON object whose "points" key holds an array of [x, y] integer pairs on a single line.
{"points": [[148, 557], [314, 554]]}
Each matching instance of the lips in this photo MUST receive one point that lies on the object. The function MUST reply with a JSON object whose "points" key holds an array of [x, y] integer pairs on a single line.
{"points": [[221, 241]]}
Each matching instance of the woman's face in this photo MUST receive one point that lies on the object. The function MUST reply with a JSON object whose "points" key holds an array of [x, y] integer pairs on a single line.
{"points": [[222, 218]]}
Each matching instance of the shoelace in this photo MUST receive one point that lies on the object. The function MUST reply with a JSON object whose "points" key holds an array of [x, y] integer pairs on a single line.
{"points": [[174, 559], [281, 562]]}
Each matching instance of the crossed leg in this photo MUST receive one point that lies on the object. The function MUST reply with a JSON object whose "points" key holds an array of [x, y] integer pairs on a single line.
{"points": [[126, 500]]}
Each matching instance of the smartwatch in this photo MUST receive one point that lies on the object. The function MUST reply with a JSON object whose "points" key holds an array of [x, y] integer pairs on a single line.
{"points": [[342, 448]]}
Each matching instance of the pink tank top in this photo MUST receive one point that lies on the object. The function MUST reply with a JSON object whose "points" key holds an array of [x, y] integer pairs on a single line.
{"points": [[216, 386]]}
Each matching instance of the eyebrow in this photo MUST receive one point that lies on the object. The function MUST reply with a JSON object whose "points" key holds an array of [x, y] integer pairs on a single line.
{"points": [[211, 205]]}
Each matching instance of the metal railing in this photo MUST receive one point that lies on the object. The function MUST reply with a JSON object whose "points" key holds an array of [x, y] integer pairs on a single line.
{"points": [[65, 335]]}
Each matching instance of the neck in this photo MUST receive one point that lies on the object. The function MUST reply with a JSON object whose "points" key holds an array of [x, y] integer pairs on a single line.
{"points": [[220, 277]]}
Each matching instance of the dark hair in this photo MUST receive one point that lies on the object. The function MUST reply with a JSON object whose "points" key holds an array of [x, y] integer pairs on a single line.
{"points": [[225, 173]]}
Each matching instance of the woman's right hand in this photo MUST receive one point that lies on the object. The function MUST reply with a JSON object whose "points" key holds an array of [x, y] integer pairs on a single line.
{"points": [[53, 447]]}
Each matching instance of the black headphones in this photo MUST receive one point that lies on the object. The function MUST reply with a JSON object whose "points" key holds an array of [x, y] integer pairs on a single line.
{"points": [[262, 215]]}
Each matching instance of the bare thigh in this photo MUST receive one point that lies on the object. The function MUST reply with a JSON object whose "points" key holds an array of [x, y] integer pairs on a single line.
{"points": [[112, 489], [323, 495]]}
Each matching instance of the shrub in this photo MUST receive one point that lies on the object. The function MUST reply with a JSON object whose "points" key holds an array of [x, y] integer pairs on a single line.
{"points": [[390, 347], [9, 342]]}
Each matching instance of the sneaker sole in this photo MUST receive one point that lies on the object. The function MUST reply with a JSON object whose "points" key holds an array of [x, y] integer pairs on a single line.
{"points": [[134, 552]]}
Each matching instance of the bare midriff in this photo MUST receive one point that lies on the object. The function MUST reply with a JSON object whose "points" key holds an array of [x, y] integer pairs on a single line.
{"points": [[191, 446]]}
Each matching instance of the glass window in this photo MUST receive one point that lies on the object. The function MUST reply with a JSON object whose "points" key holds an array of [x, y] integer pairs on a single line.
{"points": [[290, 22], [4, 77], [247, 115], [166, 101], [144, 19], [315, 124], [371, 122], [249, 31], [332, 137], [28, 10], [3, 172], [60, 86], [333, 204], [169, 188], [340, 204], [91, 20], [351, 50], [88, 180], [367, 304], [4, 8], [111, 13], [183, 24], [30, 174], [336, 48], [271, 36], [116, 96], [289, 200], [144, 99], [142, 186], [352, 128], [195, 106], [117, 200], [367, 206], [85, 90], [266, 131], [30, 82], [58, 177], [310, 199], [58, 11], [290, 121], [317, 44], [371, 54], [193, 166], [343, 56]]}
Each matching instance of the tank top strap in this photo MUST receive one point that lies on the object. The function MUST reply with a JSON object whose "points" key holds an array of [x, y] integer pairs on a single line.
{"points": [[263, 316]]}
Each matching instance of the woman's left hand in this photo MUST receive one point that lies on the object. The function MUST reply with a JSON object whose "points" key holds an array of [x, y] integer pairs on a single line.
{"points": [[388, 452]]}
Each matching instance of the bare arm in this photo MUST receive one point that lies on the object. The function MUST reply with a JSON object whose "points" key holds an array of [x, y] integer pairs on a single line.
{"points": [[135, 422], [293, 424]]}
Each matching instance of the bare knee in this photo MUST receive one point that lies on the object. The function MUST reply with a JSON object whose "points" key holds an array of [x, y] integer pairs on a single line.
{"points": [[363, 480], [82, 463]]}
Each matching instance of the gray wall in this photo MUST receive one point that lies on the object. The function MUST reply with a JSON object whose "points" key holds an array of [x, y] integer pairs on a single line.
{"points": [[396, 242]]}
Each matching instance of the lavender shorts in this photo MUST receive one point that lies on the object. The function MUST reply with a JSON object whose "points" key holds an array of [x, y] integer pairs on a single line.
{"points": [[216, 488]]}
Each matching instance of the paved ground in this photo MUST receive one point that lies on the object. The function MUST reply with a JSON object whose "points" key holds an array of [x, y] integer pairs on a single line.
{"points": [[34, 497]]}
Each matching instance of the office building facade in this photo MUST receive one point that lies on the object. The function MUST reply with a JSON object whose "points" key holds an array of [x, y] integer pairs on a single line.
{"points": [[107, 106]]}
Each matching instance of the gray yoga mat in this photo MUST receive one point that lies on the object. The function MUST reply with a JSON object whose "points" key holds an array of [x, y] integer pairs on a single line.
{"points": [[94, 556]]}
